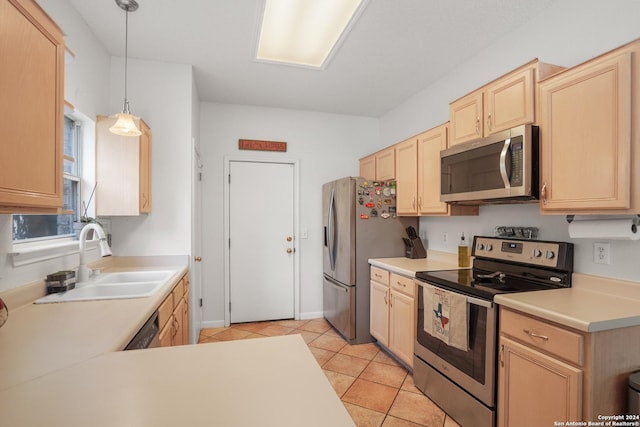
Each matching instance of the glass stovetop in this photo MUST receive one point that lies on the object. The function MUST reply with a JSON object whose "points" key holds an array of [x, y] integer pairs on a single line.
{"points": [[467, 281]]}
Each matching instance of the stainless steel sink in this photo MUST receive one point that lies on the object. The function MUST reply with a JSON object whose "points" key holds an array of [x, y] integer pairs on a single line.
{"points": [[117, 285]]}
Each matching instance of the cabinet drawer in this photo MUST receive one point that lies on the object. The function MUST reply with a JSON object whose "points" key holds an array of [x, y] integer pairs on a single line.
{"points": [[536, 333], [165, 310], [402, 284], [379, 275]]}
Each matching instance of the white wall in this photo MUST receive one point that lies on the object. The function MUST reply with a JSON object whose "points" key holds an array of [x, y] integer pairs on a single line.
{"points": [[327, 147], [568, 33], [160, 93]]}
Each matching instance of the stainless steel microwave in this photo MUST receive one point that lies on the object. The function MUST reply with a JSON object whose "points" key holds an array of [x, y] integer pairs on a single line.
{"points": [[501, 168]]}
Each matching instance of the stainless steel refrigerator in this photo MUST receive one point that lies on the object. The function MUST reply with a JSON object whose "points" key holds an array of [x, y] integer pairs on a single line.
{"points": [[360, 223]]}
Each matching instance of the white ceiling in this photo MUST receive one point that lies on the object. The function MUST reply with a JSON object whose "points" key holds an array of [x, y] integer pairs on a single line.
{"points": [[397, 48]]}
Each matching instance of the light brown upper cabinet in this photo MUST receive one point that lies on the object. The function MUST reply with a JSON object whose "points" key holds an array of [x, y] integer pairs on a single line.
{"points": [[589, 136], [504, 103], [32, 108], [418, 176], [379, 166], [123, 170]]}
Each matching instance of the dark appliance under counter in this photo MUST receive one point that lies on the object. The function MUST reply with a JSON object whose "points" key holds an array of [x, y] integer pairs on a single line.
{"points": [[462, 380]]}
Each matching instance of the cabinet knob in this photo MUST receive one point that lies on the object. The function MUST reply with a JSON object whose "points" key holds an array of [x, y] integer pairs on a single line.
{"points": [[197, 259], [289, 238], [289, 250]]}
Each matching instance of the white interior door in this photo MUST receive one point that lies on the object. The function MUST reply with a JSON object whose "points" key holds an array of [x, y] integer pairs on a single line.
{"points": [[261, 241]]}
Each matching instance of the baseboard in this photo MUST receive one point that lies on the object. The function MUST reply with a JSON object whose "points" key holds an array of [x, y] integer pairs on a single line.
{"points": [[220, 323], [212, 324], [311, 315]]}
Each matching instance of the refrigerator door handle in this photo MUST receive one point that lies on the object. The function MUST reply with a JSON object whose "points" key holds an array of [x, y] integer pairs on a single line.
{"points": [[331, 230]]}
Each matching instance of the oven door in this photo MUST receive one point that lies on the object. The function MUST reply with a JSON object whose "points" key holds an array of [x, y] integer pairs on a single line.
{"points": [[474, 369]]}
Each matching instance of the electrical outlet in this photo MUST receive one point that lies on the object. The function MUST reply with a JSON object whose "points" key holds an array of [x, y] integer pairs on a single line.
{"points": [[602, 253]]}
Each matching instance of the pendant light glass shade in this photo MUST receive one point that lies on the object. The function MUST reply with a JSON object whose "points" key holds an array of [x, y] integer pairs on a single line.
{"points": [[125, 125]]}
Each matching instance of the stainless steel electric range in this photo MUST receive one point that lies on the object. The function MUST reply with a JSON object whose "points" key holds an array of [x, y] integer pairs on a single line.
{"points": [[463, 382]]}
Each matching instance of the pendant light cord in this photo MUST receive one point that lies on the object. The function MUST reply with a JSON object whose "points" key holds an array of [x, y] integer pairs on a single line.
{"points": [[126, 55]]}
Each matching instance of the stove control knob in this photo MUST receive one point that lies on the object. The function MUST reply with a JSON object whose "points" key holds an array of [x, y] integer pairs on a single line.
{"points": [[550, 255], [536, 253], [480, 246], [489, 247]]}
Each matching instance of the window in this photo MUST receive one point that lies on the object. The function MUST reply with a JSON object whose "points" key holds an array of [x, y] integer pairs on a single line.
{"points": [[30, 227]]}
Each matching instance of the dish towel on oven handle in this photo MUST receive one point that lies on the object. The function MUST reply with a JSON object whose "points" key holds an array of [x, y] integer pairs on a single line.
{"points": [[446, 317]]}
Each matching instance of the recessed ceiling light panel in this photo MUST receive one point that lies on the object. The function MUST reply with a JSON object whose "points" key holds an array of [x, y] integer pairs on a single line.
{"points": [[305, 32]]}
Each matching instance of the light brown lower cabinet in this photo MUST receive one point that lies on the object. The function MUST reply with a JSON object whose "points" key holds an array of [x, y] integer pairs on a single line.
{"points": [[392, 313], [173, 315], [549, 372]]}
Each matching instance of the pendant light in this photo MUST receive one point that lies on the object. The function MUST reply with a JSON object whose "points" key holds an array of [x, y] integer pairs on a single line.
{"points": [[125, 125]]}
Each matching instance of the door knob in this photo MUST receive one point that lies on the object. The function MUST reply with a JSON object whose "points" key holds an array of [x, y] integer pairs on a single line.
{"points": [[198, 259], [289, 238], [289, 250]]}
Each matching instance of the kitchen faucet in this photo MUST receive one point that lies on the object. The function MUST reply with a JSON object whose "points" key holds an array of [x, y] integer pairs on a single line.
{"points": [[83, 271]]}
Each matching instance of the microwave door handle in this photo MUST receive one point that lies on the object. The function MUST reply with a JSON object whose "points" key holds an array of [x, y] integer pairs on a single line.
{"points": [[503, 163]]}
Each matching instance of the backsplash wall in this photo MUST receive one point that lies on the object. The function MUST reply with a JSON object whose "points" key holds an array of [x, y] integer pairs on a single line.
{"points": [[625, 255]]}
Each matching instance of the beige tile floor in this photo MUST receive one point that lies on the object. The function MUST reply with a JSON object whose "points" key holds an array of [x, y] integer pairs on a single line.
{"points": [[375, 389]]}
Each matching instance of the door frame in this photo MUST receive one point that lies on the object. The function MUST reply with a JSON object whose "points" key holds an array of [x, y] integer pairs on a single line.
{"points": [[195, 276], [296, 229]]}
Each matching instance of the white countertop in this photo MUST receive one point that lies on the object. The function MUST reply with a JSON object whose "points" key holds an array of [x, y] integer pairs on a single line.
{"points": [[259, 382], [60, 365], [592, 304], [41, 338], [408, 267]]}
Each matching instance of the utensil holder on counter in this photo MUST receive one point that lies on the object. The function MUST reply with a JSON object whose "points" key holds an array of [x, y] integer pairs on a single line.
{"points": [[414, 248]]}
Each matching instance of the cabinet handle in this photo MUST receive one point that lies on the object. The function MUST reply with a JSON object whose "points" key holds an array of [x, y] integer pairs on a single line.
{"points": [[489, 121], [502, 355], [535, 335], [413, 204], [477, 125], [401, 284], [419, 202], [543, 194]]}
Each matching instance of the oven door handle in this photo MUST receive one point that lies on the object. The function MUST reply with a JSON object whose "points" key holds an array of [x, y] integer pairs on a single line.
{"points": [[480, 302]]}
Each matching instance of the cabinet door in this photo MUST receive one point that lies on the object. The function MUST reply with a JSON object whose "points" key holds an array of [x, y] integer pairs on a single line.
{"points": [[401, 326], [185, 319], [430, 144], [145, 168], [178, 335], [386, 164], [407, 177], [379, 312], [31, 110], [508, 102], [465, 116], [167, 333], [536, 388], [585, 136], [368, 167]]}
